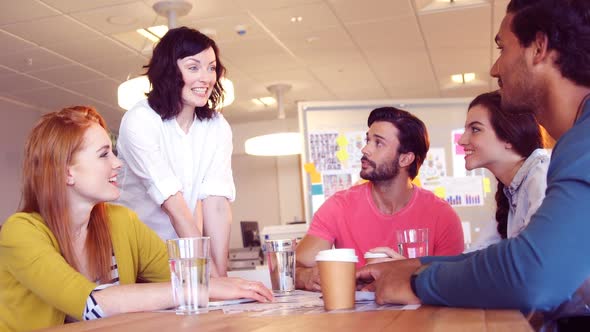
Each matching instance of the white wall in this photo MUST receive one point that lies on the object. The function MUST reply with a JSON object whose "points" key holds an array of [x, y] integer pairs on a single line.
{"points": [[17, 122], [268, 188]]}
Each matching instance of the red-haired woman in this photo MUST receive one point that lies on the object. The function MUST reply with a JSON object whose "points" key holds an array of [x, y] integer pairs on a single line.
{"points": [[66, 244]]}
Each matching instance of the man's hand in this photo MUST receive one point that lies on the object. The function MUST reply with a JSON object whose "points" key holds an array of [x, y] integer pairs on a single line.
{"points": [[393, 255], [308, 278], [390, 281]]}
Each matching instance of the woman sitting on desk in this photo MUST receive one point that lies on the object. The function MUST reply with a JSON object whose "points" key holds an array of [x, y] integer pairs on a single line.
{"points": [[70, 256]]}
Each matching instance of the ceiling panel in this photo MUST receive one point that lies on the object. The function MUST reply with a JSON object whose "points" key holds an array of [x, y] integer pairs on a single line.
{"points": [[25, 10], [448, 62], [109, 19], [463, 28], [70, 6], [88, 50], [33, 59], [324, 47], [316, 16], [104, 90], [51, 30], [205, 9], [224, 28], [120, 68], [16, 82], [263, 55], [354, 11], [13, 44], [274, 4], [54, 99], [66, 75], [402, 33]]}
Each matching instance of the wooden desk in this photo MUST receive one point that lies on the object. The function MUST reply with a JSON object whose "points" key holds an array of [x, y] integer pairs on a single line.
{"points": [[426, 318]]}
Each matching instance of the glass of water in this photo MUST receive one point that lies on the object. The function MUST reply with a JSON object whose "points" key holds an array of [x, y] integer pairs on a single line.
{"points": [[413, 243], [189, 272]]}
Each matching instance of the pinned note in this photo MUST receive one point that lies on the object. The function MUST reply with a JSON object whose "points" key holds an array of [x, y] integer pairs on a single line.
{"points": [[314, 175], [440, 192], [487, 188], [342, 155]]}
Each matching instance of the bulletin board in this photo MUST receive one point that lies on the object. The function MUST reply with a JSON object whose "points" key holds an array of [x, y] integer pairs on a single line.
{"points": [[334, 134]]}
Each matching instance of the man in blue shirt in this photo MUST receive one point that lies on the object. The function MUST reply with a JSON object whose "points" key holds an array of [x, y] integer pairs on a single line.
{"points": [[544, 66]]}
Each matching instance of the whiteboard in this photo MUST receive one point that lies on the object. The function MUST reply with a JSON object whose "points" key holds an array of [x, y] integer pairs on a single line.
{"points": [[326, 124]]}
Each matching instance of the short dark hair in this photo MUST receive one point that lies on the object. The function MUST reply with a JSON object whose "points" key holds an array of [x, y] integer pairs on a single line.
{"points": [[566, 23], [521, 130], [413, 136], [166, 78]]}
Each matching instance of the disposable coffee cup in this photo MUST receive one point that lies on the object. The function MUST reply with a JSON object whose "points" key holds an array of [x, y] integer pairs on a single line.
{"points": [[337, 276], [371, 257]]}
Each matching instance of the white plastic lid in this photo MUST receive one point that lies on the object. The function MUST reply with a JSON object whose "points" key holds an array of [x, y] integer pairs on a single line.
{"points": [[370, 255], [337, 255]]}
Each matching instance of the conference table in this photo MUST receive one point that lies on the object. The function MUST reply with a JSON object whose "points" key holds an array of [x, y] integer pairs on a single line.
{"points": [[425, 318]]}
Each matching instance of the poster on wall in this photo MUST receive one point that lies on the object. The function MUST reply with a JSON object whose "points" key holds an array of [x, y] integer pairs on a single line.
{"points": [[434, 166], [356, 142], [334, 181], [322, 150], [458, 154], [459, 191]]}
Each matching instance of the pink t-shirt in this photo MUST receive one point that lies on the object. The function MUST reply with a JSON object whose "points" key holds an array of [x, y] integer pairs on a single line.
{"points": [[350, 219]]}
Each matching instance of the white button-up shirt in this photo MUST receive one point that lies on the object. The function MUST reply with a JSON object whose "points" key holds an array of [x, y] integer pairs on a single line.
{"points": [[160, 159]]}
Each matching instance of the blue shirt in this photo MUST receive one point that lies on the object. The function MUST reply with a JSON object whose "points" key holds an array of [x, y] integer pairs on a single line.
{"points": [[546, 263]]}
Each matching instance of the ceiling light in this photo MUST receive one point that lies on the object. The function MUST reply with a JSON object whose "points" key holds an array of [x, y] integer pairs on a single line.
{"points": [[296, 19], [264, 101], [463, 78], [158, 30], [457, 78], [148, 35], [468, 77], [228, 92], [132, 91], [277, 144]]}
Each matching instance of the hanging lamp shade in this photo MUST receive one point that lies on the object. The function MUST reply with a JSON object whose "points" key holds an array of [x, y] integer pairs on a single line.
{"points": [[276, 144], [280, 143]]}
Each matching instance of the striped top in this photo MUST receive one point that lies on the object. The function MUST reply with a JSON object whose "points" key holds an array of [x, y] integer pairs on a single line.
{"points": [[92, 309]]}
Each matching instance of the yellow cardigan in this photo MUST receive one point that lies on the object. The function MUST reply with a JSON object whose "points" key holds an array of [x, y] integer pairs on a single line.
{"points": [[38, 287]]}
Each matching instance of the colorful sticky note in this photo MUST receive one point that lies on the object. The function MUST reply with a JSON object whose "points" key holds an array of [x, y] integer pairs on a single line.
{"points": [[440, 192], [342, 155], [314, 175], [342, 142], [317, 189], [487, 188], [417, 182]]}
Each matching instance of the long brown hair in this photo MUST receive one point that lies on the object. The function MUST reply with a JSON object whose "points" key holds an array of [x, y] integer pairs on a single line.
{"points": [[519, 129], [49, 150]]}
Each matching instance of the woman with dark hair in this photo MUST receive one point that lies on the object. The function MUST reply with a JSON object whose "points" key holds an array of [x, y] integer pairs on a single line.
{"points": [[68, 255], [176, 148], [511, 147]]}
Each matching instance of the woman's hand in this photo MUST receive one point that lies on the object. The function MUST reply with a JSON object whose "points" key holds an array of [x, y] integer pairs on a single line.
{"points": [[226, 288], [393, 255]]}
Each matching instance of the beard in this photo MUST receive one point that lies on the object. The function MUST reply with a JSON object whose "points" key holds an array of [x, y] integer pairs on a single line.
{"points": [[383, 172], [523, 95]]}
